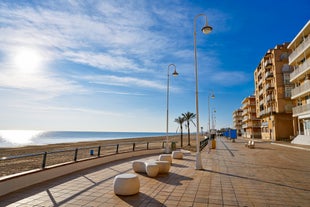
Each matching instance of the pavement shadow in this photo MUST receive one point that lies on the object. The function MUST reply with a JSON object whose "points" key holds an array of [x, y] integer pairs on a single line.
{"points": [[141, 199], [179, 165], [172, 178], [256, 179]]}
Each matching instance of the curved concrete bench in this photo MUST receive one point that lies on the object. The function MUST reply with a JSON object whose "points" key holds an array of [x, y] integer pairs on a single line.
{"points": [[138, 166], [126, 184], [151, 169], [165, 157], [177, 155], [164, 166]]}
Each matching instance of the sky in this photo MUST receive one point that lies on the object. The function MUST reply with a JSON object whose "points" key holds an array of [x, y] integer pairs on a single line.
{"points": [[102, 65]]}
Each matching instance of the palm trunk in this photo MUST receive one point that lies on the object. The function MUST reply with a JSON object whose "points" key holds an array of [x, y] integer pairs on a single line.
{"points": [[181, 136], [188, 135]]}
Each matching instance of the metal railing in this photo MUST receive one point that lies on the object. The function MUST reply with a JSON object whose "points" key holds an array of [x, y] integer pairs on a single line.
{"points": [[41, 160], [203, 143]]}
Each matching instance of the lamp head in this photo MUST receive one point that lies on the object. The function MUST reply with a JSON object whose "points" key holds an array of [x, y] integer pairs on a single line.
{"points": [[206, 29], [175, 73], [213, 96]]}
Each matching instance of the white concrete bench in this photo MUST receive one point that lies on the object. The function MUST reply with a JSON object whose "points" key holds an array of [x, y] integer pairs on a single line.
{"points": [[165, 157], [138, 166], [126, 184], [151, 169], [164, 166], [177, 155]]}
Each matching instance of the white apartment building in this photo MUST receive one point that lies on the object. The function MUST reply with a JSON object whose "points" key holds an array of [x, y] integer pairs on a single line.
{"points": [[299, 60]]}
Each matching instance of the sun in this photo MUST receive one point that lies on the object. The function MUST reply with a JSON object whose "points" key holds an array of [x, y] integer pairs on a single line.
{"points": [[27, 60]]}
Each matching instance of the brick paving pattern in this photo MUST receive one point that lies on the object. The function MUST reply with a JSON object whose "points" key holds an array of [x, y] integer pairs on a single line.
{"points": [[233, 175]]}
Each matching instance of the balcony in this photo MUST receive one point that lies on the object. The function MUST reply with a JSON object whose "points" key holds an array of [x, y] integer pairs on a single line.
{"points": [[270, 110], [305, 44], [245, 118], [269, 98], [267, 63], [244, 112], [301, 90], [268, 75], [245, 126], [269, 86], [261, 113], [300, 70], [301, 110]]}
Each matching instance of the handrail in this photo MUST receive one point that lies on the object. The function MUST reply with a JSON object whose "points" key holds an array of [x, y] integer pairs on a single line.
{"points": [[76, 152], [204, 143]]}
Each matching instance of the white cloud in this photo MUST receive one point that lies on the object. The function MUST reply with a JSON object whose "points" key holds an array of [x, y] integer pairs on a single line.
{"points": [[104, 61], [124, 81]]}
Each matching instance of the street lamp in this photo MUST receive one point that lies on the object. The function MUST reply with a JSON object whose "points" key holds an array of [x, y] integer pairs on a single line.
{"points": [[212, 96], [213, 119], [175, 73], [206, 30]]}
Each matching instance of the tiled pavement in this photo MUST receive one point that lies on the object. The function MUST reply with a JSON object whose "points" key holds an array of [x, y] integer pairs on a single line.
{"points": [[233, 175]]}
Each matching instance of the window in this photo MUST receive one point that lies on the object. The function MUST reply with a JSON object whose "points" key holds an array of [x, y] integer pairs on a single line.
{"points": [[287, 92], [286, 78]]}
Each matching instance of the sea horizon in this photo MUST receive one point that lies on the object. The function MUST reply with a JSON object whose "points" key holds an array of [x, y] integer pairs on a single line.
{"points": [[21, 138]]}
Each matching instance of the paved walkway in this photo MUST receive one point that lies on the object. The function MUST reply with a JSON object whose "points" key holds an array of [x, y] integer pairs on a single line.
{"points": [[233, 175]]}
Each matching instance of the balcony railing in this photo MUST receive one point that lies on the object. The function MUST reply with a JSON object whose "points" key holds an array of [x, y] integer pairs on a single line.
{"points": [[261, 113], [300, 90], [268, 75], [299, 70], [269, 98], [299, 110], [269, 86], [267, 62], [299, 50]]}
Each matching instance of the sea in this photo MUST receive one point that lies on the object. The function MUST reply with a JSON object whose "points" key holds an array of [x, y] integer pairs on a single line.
{"points": [[20, 138]]}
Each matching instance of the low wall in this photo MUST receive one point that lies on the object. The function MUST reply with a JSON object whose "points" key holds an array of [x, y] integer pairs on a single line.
{"points": [[18, 181]]}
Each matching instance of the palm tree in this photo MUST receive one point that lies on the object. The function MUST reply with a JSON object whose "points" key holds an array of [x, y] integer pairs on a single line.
{"points": [[180, 120], [189, 116]]}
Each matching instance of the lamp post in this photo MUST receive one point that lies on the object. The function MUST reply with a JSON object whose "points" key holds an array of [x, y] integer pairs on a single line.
{"points": [[213, 119], [175, 73], [212, 96], [206, 30]]}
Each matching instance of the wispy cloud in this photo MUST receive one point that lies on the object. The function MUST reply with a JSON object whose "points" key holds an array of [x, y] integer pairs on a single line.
{"points": [[231, 78], [124, 81]]}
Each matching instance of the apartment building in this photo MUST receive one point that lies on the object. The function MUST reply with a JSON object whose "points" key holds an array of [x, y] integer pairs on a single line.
{"points": [[273, 94], [237, 121], [299, 60], [250, 123]]}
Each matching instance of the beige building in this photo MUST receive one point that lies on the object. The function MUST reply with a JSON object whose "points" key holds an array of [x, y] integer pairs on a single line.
{"points": [[273, 94], [299, 60], [250, 123], [237, 120]]}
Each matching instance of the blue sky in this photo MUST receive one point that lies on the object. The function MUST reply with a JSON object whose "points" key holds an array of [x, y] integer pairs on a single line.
{"points": [[102, 65]]}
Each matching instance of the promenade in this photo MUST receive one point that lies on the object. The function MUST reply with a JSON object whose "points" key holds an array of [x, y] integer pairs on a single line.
{"points": [[233, 175]]}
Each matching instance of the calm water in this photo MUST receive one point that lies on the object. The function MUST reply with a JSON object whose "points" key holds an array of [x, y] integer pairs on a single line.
{"points": [[15, 138]]}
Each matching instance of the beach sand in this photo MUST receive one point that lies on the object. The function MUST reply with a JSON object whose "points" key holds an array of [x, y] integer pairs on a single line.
{"points": [[8, 167]]}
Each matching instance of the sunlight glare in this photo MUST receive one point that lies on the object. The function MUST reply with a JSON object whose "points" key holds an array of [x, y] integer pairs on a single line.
{"points": [[28, 60], [19, 137]]}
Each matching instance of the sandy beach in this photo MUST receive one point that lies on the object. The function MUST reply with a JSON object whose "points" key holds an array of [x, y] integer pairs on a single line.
{"points": [[8, 167]]}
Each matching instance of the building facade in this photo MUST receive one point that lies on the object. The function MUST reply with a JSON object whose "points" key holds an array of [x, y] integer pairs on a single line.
{"points": [[299, 60], [273, 94], [237, 120], [250, 123]]}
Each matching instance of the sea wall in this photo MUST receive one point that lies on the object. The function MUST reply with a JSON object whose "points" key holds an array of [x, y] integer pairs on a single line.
{"points": [[9, 184]]}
